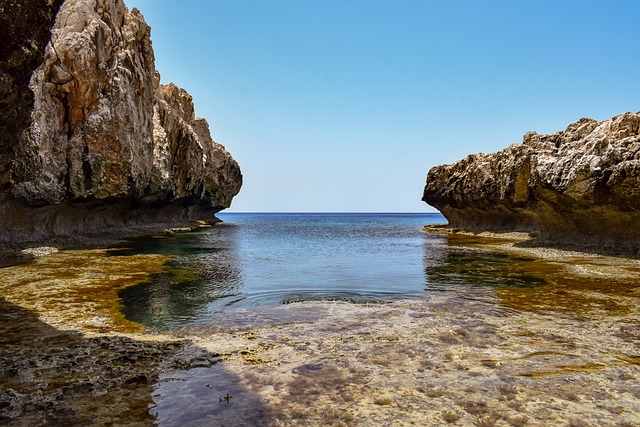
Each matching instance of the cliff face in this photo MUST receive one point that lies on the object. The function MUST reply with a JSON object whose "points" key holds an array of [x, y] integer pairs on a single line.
{"points": [[25, 31], [104, 144], [577, 186]]}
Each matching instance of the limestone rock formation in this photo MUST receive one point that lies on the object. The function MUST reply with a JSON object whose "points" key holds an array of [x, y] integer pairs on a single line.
{"points": [[580, 186], [100, 142], [25, 31]]}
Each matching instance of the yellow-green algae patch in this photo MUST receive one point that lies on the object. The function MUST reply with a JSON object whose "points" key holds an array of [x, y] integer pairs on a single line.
{"points": [[573, 282], [78, 289], [581, 264]]}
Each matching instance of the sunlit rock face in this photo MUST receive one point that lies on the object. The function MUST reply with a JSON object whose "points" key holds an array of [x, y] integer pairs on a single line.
{"points": [[99, 131], [577, 186]]}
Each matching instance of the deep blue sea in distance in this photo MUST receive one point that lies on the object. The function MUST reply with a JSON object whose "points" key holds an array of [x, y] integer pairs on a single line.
{"points": [[261, 259]]}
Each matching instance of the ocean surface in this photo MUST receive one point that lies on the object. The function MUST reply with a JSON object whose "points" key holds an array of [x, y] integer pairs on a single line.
{"points": [[256, 260]]}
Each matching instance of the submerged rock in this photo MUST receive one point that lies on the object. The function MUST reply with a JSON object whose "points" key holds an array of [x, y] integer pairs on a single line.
{"points": [[580, 186], [99, 142]]}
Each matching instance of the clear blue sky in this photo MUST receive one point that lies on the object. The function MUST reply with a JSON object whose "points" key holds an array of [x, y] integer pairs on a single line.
{"points": [[344, 105]]}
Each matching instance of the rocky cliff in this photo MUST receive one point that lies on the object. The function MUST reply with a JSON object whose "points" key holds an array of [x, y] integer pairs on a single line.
{"points": [[580, 186], [90, 139]]}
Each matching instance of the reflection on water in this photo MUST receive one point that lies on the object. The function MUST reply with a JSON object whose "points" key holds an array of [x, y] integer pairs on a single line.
{"points": [[257, 260], [459, 268], [181, 293], [202, 276]]}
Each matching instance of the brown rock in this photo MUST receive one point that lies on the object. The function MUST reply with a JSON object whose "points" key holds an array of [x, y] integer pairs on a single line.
{"points": [[579, 186], [104, 132], [25, 27]]}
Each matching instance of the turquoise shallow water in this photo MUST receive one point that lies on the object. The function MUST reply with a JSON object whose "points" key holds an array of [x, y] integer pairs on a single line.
{"points": [[256, 260]]}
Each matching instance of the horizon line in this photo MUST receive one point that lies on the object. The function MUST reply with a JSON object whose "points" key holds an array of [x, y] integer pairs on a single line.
{"points": [[326, 212]]}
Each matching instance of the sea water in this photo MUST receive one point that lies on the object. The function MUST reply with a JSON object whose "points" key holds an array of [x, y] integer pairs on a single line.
{"points": [[262, 259]]}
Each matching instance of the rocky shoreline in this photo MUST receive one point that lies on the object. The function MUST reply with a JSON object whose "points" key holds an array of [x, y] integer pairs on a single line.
{"points": [[575, 188], [56, 377], [446, 361], [528, 243], [518, 356], [28, 250]]}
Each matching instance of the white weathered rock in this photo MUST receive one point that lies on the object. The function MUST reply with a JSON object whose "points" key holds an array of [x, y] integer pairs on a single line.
{"points": [[38, 252], [577, 186]]}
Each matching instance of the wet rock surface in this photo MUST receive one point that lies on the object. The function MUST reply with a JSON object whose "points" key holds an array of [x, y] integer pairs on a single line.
{"points": [[105, 145], [578, 187], [556, 345], [453, 360]]}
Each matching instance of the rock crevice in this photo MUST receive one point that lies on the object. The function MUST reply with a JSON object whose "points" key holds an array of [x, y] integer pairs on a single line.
{"points": [[580, 186]]}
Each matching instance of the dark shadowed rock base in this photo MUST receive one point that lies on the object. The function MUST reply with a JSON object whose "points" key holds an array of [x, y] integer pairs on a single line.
{"points": [[94, 223]]}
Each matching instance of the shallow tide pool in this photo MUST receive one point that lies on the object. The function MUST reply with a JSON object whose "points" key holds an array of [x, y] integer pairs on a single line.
{"points": [[257, 260]]}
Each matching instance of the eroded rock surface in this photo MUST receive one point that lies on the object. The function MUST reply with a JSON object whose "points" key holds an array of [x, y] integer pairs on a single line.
{"points": [[105, 144], [25, 31], [580, 186]]}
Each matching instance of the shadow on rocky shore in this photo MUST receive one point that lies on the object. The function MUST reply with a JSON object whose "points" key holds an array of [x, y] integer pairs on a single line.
{"points": [[55, 377]]}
